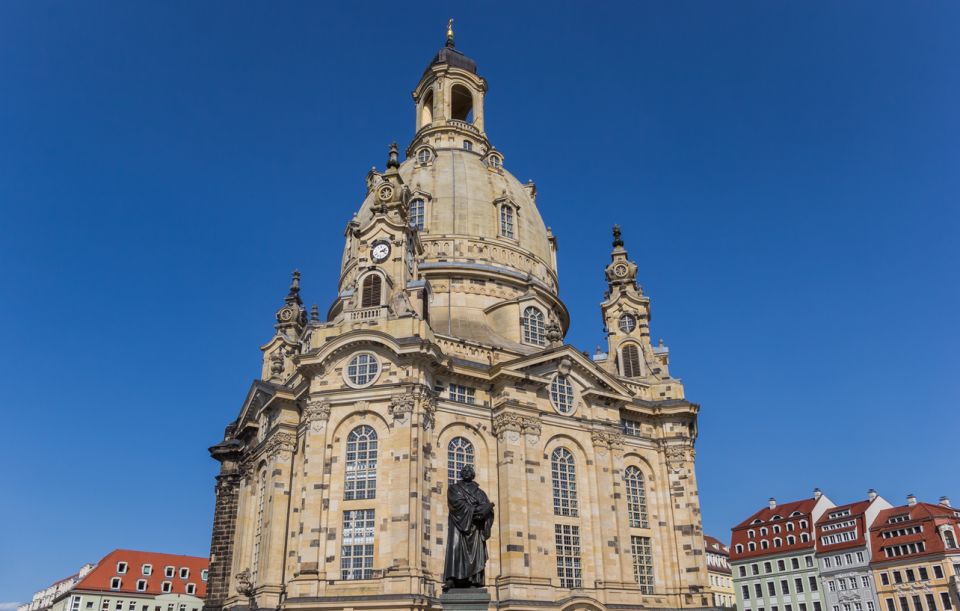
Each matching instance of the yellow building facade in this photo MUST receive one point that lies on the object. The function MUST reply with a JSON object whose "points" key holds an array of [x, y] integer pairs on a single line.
{"points": [[444, 347]]}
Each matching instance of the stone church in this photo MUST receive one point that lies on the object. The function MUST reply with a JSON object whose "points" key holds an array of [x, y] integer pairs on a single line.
{"points": [[444, 347]]}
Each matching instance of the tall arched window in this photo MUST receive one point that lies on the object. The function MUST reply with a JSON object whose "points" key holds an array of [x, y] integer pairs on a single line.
{"points": [[426, 114], [506, 221], [371, 293], [564, 474], [416, 213], [630, 359], [258, 524], [459, 455], [461, 104], [361, 464], [534, 329], [636, 497]]}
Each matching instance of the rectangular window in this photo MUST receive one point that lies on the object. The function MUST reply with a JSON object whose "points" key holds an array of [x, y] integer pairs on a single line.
{"points": [[842, 583], [859, 556], [754, 569], [75, 604], [184, 572], [885, 579], [910, 575], [816, 605], [630, 427], [871, 606], [803, 606], [771, 588], [924, 575], [788, 608], [356, 552], [795, 563], [938, 571], [832, 585], [642, 563], [917, 603], [813, 583], [745, 591], [798, 585], [165, 587], [853, 583], [897, 577], [506, 221], [463, 394], [146, 570], [132, 606], [826, 562], [758, 590], [141, 585], [767, 567], [784, 587], [567, 539], [743, 571], [781, 566], [809, 560], [890, 605], [114, 583], [903, 604], [945, 600], [857, 607], [931, 603]]}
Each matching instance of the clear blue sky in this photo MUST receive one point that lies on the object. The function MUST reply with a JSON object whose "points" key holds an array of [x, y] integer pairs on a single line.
{"points": [[786, 174]]}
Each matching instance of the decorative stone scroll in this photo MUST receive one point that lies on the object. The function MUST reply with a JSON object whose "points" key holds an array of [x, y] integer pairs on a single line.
{"points": [[401, 405], [510, 426], [316, 413], [609, 440], [678, 455], [280, 446]]}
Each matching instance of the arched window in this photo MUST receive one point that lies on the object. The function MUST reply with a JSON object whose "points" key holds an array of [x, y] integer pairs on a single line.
{"points": [[803, 523], [791, 539], [459, 455], [776, 528], [426, 112], [636, 497], [564, 475], [751, 546], [258, 524], [790, 526], [949, 539], [763, 531], [372, 291], [506, 221], [751, 534], [739, 548], [804, 537], [561, 394], [534, 329], [361, 464], [764, 544], [416, 213], [777, 542], [630, 359], [461, 104]]}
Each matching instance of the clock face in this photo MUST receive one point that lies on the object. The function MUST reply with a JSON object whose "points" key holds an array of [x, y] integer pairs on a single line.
{"points": [[380, 251]]}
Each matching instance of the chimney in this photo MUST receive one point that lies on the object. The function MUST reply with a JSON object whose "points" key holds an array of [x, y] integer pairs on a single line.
{"points": [[772, 502], [944, 501], [871, 494], [911, 500], [817, 494]]}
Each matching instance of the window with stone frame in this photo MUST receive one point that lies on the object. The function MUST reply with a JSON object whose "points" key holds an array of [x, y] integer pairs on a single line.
{"points": [[630, 361], [416, 215], [642, 563], [257, 530], [459, 455], [561, 394], [361, 464], [533, 326], [356, 549], [371, 292], [363, 369], [567, 540], [636, 497], [507, 220], [462, 394], [564, 476]]}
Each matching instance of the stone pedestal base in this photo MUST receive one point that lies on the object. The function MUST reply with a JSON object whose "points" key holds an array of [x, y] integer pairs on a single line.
{"points": [[465, 599]]}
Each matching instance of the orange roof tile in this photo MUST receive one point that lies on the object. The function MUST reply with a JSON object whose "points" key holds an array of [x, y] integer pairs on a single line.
{"points": [[99, 578]]}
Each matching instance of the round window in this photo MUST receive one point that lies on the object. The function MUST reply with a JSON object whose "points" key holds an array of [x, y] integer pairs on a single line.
{"points": [[363, 369], [423, 155], [561, 394], [628, 323]]}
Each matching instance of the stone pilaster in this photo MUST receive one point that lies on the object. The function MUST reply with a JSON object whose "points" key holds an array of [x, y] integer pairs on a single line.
{"points": [[227, 490]]}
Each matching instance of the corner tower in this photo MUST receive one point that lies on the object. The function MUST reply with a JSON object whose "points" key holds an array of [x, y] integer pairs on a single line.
{"points": [[443, 347]]}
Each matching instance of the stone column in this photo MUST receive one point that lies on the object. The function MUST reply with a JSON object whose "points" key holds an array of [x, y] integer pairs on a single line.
{"points": [[610, 545], [228, 452], [316, 413], [512, 515], [278, 454]]}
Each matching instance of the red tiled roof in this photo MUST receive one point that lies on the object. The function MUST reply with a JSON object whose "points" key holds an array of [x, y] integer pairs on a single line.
{"points": [[926, 515], [99, 578], [765, 518], [715, 545], [857, 511]]}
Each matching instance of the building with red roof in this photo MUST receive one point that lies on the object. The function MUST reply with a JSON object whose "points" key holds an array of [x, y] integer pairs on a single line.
{"points": [[43, 599], [129, 580], [915, 556], [843, 554], [772, 557], [718, 570]]}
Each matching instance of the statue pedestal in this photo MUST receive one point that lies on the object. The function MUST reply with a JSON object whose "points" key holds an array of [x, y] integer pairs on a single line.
{"points": [[465, 599]]}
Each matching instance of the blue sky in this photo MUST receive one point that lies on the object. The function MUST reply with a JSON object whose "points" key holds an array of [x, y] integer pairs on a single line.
{"points": [[786, 175]]}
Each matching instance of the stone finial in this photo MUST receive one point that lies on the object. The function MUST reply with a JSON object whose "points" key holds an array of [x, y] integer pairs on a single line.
{"points": [[392, 159], [314, 313], [617, 238], [294, 295]]}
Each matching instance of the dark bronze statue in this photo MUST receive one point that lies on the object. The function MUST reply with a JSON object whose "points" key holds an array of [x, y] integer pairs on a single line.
{"points": [[468, 528]]}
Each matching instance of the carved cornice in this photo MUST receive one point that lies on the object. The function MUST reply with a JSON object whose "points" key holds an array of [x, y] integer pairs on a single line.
{"points": [[678, 455], [518, 424], [607, 439], [316, 413], [279, 446]]}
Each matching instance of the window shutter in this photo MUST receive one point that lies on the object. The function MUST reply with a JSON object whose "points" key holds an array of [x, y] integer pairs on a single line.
{"points": [[631, 361], [370, 296]]}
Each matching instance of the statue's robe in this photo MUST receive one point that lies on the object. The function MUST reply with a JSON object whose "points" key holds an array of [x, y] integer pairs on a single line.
{"points": [[468, 528]]}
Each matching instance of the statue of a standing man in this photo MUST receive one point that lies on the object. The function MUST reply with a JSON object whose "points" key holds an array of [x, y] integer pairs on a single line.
{"points": [[468, 528]]}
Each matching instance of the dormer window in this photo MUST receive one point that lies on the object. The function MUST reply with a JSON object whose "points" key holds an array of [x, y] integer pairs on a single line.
{"points": [[506, 221], [533, 327], [184, 572], [168, 571], [203, 574], [166, 586], [949, 538], [416, 215], [191, 588], [141, 585], [115, 583], [146, 569], [121, 568]]}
